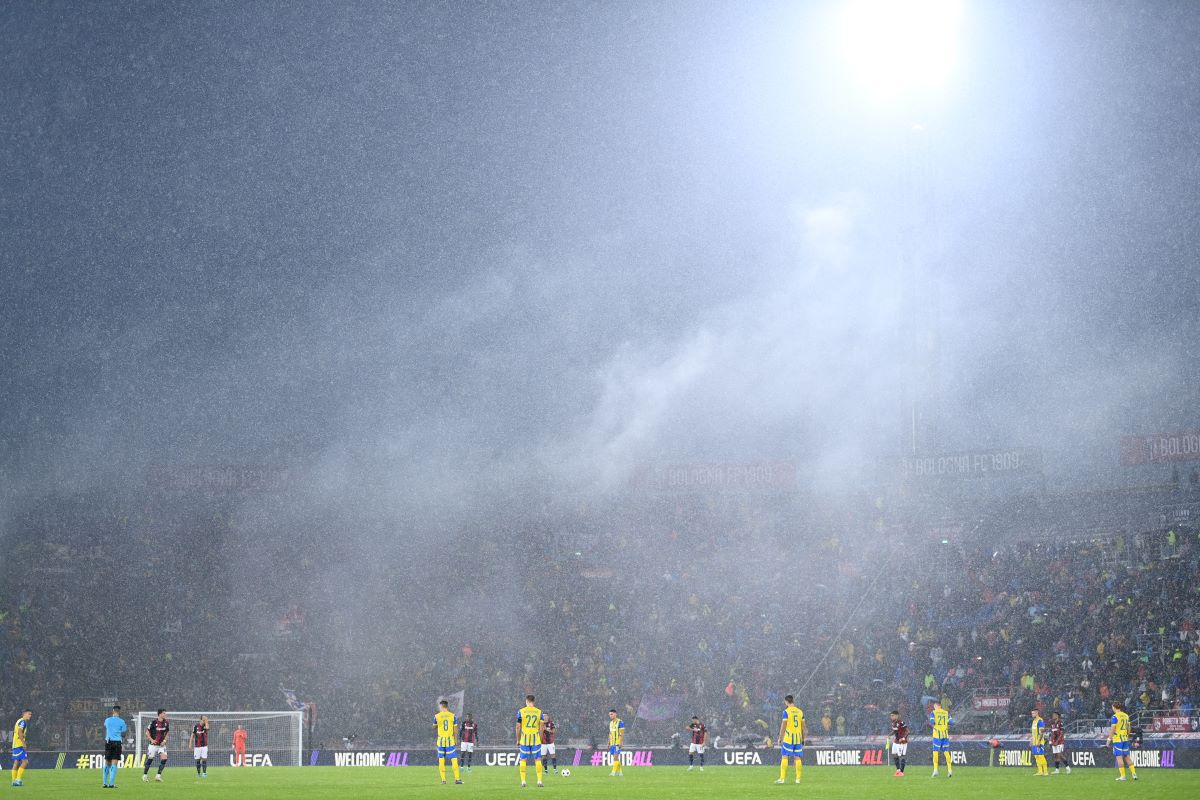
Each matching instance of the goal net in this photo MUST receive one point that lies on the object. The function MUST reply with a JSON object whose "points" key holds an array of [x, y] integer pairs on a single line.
{"points": [[273, 738]]}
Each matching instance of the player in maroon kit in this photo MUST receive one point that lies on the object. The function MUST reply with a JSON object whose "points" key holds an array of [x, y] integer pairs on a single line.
{"points": [[548, 744], [699, 738], [468, 737], [899, 743], [1058, 742]]}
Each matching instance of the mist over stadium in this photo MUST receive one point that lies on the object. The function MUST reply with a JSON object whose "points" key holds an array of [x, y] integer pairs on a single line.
{"points": [[664, 357]]}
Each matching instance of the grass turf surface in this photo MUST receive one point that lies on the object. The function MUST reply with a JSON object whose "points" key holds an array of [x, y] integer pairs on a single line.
{"points": [[716, 783]]}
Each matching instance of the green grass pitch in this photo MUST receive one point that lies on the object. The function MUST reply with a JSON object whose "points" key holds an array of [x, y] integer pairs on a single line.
{"points": [[715, 783]]}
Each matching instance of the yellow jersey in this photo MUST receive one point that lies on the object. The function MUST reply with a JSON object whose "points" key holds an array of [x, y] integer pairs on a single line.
{"points": [[1120, 726], [793, 725], [444, 720], [530, 719], [939, 719], [616, 732], [1037, 732], [19, 733]]}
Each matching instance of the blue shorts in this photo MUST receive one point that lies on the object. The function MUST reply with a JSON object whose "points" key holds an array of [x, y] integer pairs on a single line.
{"points": [[1037, 749], [19, 754], [791, 750], [448, 752], [530, 752], [614, 750], [1120, 748], [940, 746]]}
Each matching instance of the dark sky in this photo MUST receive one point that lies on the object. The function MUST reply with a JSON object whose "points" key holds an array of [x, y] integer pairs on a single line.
{"points": [[552, 241]]}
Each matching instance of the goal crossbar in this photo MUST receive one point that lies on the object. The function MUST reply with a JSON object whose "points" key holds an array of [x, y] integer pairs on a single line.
{"points": [[278, 735]]}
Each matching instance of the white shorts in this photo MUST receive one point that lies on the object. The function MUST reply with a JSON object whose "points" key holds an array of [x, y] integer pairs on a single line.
{"points": [[548, 749], [467, 747], [1056, 749], [200, 752], [154, 750], [899, 749], [696, 748]]}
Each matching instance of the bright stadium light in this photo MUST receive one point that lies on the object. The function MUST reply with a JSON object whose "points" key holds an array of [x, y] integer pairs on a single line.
{"points": [[897, 47]]}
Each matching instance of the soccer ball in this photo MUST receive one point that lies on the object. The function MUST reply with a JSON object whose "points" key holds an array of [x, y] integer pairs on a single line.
{"points": [[566, 773]]}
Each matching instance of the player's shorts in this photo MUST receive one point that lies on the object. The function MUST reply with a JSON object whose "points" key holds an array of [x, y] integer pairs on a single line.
{"points": [[1037, 749], [899, 748], [791, 750], [940, 746], [19, 754], [200, 752], [154, 750], [467, 747], [1056, 749], [1120, 748], [614, 750], [112, 751], [448, 752], [530, 752], [548, 749], [696, 748]]}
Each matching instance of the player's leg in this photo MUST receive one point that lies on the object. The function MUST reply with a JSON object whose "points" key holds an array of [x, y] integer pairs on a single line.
{"points": [[454, 766], [553, 758], [148, 763], [784, 754], [162, 764], [946, 758], [523, 763], [799, 768], [935, 762], [21, 771], [538, 770], [1128, 762], [442, 767], [702, 759]]}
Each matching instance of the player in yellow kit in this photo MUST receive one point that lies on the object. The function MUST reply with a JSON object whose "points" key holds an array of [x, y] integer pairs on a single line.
{"points": [[1118, 737], [791, 739], [447, 747], [19, 756], [1037, 743], [530, 721], [940, 720], [616, 738]]}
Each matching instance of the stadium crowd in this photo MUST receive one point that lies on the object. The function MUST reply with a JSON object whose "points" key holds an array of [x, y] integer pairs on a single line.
{"points": [[679, 606]]}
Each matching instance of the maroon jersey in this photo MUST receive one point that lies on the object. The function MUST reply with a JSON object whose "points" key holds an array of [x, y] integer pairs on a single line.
{"points": [[899, 732], [158, 729], [548, 732], [468, 733], [1057, 735], [699, 732], [200, 733]]}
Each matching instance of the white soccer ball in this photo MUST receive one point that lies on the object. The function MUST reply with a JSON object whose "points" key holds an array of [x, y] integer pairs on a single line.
{"points": [[566, 773]]}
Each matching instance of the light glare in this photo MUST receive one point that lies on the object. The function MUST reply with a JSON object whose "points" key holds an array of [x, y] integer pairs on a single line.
{"points": [[899, 46]]}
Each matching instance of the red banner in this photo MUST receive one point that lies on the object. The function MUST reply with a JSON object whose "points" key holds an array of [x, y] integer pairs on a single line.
{"points": [[990, 702], [1171, 725], [1160, 448]]}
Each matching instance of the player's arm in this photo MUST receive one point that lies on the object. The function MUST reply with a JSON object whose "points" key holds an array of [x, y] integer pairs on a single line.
{"points": [[192, 739], [518, 731], [782, 726]]}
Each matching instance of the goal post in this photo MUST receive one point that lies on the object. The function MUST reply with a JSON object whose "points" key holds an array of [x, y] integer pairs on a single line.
{"points": [[274, 738]]}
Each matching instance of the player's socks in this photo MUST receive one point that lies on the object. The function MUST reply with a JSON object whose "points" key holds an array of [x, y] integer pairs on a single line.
{"points": [[454, 765], [1132, 769], [197, 767], [146, 768], [554, 763], [1121, 770], [161, 765], [903, 764], [524, 770], [538, 770], [691, 758], [702, 761], [783, 769], [204, 766], [442, 768], [799, 769]]}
